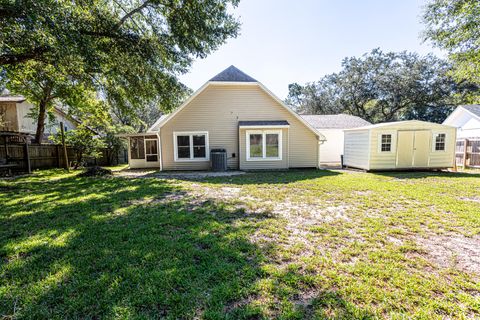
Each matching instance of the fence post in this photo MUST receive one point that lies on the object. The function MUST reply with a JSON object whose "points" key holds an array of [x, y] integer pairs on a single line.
{"points": [[27, 158], [465, 145], [57, 153], [65, 155]]}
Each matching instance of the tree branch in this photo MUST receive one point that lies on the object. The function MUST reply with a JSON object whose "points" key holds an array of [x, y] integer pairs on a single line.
{"points": [[15, 58], [131, 13]]}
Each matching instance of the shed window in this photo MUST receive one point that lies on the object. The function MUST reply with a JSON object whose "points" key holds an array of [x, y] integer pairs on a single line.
{"points": [[151, 150], [386, 143], [137, 150], [264, 145], [440, 142], [190, 146]]}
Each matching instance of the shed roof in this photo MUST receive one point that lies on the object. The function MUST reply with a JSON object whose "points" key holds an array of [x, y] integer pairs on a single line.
{"points": [[334, 121], [394, 123], [263, 123], [232, 74]]}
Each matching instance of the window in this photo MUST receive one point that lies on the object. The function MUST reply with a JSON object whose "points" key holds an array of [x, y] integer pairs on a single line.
{"points": [[190, 146], [151, 150], [137, 150], [386, 143], [440, 142], [264, 145]]}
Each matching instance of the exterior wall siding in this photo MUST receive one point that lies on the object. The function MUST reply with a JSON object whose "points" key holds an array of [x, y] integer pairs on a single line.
{"points": [[332, 149], [218, 109], [356, 149], [8, 115]]}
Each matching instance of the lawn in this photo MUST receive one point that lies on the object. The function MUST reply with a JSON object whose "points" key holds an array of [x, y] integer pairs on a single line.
{"points": [[287, 245]]}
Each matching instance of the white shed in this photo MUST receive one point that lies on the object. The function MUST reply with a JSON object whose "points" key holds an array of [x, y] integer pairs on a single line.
{"points": [[400, 145]]}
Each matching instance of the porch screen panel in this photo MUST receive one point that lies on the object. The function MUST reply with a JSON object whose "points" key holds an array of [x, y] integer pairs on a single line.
{"points": [[137, 149]]}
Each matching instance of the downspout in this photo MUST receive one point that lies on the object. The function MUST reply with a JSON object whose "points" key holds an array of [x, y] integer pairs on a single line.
{"points": [[320, 142], [160, 150]]}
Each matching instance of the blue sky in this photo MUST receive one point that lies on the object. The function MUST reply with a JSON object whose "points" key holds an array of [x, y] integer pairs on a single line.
{"points": [[285, 41]]}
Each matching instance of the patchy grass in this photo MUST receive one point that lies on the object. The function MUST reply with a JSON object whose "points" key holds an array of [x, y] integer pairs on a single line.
{"points": [[288, 245]]}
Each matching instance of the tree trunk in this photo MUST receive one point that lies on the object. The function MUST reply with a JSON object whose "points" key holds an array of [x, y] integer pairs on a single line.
{"points": [[42, 111]]}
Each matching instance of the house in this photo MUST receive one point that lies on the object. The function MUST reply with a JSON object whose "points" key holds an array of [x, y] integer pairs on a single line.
{"points": [[234, 112], [400, 145], [331, 127], [14, 115], [467, 121]]}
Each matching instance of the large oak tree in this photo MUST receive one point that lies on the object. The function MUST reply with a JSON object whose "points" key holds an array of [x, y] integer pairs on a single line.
{"points": [[380, 87], [129, 51]]}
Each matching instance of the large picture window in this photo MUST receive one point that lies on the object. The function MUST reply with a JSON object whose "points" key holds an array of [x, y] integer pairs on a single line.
{"points": [[191, 146], [264, 145]]}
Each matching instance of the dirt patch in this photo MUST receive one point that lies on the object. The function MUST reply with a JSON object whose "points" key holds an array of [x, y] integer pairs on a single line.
{"points": [[474, 199], [181, 175], [457, 251]]}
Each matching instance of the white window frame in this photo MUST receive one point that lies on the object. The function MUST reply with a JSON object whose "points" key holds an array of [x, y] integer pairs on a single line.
{"points": [[434, 141], [145, 148], [264, 144], [392, 142], [191, 134]]}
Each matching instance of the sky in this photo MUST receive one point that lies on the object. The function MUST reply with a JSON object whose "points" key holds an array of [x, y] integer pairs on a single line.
{"points": [[286, 41]]}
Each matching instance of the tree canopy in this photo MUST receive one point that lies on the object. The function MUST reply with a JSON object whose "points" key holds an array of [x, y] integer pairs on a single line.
{"points": [[454, 25], [380, 87], [129, 52]]}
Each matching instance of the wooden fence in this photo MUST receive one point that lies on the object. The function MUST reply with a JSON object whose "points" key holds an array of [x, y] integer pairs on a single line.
{"points": [[467, 152], [51, 156]]}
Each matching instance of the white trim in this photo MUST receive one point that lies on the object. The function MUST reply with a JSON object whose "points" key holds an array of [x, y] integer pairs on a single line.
{"points": [[392, 141], [191, 134], [160, 150], [264, 144], [434, 141], [265, 127]]}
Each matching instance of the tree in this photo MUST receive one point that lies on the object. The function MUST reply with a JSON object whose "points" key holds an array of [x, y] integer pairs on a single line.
{"points": [[382, 87], [84, 142], [130, 52], [114, 144], [454, 25]]}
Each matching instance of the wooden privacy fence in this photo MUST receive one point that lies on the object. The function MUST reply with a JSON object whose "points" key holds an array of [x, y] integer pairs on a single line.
{"points": [[467, 152], [51, 156]]}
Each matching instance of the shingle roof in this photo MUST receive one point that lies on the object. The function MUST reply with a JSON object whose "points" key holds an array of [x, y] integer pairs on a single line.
{"points": [[334, 121], [232, 74], [263, 123], [473, 108]]}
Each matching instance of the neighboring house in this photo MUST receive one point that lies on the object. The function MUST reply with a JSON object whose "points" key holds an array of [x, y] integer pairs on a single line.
{"points": [[331, 127], [235, 112], [15, 110], [467, 121], [409, 144]]}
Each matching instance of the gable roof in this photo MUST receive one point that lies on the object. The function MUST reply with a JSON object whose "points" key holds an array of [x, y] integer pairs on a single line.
{"points": [[233, 74], [473, 108], [388, 124], [334, 121], [165, 118]]}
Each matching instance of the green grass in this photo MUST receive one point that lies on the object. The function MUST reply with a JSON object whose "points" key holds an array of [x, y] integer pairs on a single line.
{"points": [[287, 245]]}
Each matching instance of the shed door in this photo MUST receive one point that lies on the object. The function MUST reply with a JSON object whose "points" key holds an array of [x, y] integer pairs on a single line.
{"points": [[413, 149], [405, 149], [421, 148]]}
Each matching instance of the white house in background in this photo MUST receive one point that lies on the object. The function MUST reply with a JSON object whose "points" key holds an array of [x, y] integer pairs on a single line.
{"points": [[400, 145], [332, 126], [14, 111], [467, 121]]}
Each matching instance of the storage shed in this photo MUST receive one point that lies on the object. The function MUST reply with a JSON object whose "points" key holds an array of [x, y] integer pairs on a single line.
{"points": [[400, 145]]}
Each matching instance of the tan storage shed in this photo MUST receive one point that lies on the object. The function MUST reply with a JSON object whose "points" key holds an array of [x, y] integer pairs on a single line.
{"points": [[400, 145]]}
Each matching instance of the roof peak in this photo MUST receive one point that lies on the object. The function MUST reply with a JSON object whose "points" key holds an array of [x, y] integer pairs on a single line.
{"points": [[232, 74]]}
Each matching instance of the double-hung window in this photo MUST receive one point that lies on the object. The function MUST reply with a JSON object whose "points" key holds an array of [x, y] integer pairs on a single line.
{"points": [[440, 141], [386, 143], [190, 146], [264, 145]]}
